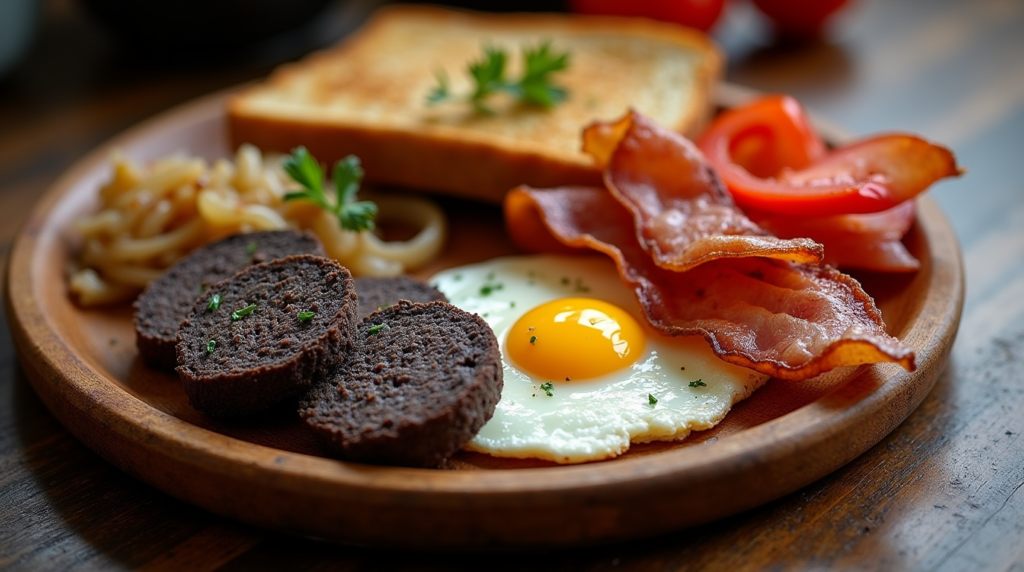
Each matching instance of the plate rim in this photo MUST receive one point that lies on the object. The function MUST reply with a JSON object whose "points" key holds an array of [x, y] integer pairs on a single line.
{"points": [[103, 414]]}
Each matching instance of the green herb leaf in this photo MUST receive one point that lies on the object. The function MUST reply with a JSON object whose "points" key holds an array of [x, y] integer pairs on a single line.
{"points": [[250, 248], [533, 339], [698, 383], [214, 303], [441, 91], [534, 87], [242, 312], [358, 216], [488, 73], [210, 345], [353, 215], [375, 329], [652, 400], [548, 388], [303, 316], [305, 170], [487, 289]]}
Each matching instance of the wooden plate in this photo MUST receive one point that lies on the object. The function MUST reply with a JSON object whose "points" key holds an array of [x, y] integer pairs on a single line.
{"points": [[269, 472]]}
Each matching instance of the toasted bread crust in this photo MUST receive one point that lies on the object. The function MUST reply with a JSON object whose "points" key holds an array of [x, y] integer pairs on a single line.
{"points": [[367, 96]]}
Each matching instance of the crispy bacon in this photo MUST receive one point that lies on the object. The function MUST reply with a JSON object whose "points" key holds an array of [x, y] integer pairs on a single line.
{"points": [[683, 214], [788, 320], [864, 241]]}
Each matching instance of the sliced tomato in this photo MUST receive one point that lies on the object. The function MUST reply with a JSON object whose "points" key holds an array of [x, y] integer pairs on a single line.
{"points": [[765, 136], [799, 17], [771, 159], [699, 14]]}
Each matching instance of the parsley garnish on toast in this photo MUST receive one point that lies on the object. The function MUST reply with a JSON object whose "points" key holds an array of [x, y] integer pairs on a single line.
{"points": [[488, 75]]}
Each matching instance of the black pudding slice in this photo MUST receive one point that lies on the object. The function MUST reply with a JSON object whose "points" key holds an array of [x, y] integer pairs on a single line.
{"points": [[377, 293], [278, 325], [420, 383], [162, 306]]}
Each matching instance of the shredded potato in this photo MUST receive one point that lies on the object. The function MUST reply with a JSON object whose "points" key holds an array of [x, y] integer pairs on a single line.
{"points": [[151, 217]]}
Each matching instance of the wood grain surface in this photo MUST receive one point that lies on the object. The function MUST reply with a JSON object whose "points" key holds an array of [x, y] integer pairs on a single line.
{"points": [[940, 492]]}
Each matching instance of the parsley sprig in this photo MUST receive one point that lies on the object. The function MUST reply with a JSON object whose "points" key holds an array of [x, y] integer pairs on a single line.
{"points": [[348, 173], [488, 75]]}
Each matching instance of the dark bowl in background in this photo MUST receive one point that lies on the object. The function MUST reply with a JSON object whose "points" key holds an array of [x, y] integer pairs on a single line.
{"points": [[198, 25]]}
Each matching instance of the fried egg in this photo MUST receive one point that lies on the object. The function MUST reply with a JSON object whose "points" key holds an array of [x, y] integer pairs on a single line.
{"points": [[585, 375]]}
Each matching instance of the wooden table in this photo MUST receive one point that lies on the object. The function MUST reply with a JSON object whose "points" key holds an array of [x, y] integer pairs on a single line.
{"points": [[941, 492]]}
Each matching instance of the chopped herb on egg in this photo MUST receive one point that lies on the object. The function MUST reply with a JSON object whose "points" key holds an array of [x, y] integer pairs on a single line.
{"points": [[214, 303], [652, 400], [487, 289], [512, 304], [375, 329], [250, 248], [548, 387], [457, 277], [565, 280], [210, 345], [533, 339], [698, 383], [303, 316], [242, 312]]}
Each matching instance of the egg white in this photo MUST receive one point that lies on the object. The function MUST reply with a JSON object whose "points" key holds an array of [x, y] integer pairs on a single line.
{"points": [[598, 418]]}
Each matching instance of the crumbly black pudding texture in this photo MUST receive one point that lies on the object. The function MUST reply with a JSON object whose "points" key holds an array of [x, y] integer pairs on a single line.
{"points": [[376, 293], [269, 354], [420, 383], [162, 306]]}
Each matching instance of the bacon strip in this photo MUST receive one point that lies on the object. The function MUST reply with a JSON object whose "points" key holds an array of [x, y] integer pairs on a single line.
{"points": [[683, 214], [864, 241], [786, 320]]}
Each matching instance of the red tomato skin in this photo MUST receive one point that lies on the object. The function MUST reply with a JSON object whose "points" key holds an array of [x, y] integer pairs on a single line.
{"points": [[771, 160], [781, 134], [699, 14], [799, 17]]}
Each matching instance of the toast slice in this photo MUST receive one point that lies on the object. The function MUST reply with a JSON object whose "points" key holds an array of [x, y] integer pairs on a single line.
{"points": [[368, 96]]}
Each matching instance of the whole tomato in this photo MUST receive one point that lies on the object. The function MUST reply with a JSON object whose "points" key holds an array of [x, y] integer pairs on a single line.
{"points": [[799, 17], [699, 14]]}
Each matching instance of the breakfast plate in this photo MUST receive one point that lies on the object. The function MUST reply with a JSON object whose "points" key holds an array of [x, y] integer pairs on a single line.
{"points": [[269, 472]]}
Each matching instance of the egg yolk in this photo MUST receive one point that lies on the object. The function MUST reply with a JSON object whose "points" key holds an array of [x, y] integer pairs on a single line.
{"points": [[574, 338]]}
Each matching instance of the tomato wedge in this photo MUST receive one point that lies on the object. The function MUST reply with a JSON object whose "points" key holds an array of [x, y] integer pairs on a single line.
{"points": [[771, 159]]}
